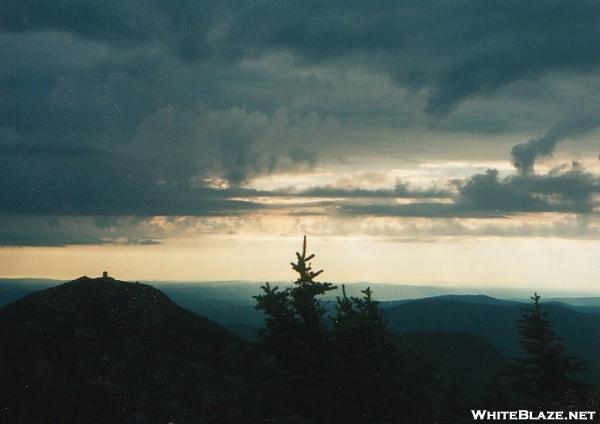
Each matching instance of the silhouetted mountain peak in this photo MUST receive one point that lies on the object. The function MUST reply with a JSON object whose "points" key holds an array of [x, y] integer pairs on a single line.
{"points": [[94, 345], [96, 299]]}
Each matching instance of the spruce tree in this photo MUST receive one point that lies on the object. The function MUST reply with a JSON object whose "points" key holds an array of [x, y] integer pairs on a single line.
{"points": [[294, 324], [377, 382], [296, 334], [363, 358], [305, 302], [544, 377]]}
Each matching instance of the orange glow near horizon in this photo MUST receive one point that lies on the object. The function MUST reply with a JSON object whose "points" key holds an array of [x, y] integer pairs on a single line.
{"points": [[492, 262]]}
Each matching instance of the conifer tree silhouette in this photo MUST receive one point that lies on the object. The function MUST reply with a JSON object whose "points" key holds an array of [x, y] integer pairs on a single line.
{"points": [[305, 291], [296, 334], [358, 323], [376, 381], [366, 362], [545, 377], [295, 315]]}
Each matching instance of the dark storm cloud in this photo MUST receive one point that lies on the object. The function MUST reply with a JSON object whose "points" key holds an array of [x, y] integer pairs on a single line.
{"points": [[77, 190], [487, 195], [66, 179], [455, 49], [87, 127], [45, 234], [138, 107], [38, 230], [570, 190], [525, 154]]}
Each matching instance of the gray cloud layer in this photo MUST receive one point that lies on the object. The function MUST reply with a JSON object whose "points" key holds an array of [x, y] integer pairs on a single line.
{"points": [[525, 154], [570, 191], [137, 107], [455, 49], [486, 195]]}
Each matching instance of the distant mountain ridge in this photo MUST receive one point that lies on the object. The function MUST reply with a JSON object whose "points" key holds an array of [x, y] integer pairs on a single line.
{"points": [[230, 304], [242, 291], [476, 298], [496, 321]]}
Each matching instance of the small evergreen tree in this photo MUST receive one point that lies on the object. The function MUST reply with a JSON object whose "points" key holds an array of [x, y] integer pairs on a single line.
{"points": [[295, 325], [358, 316], [305, 302], [296, 334], [360, 336], [366, 362], [545, 377], [376, 380]]}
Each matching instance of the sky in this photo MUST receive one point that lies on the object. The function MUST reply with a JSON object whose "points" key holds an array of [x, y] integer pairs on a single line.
{"points": [[450, 143]]}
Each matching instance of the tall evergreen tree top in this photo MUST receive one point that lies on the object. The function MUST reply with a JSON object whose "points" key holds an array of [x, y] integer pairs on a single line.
{"points": [[545, 374], [306, 289], [297, 309]]}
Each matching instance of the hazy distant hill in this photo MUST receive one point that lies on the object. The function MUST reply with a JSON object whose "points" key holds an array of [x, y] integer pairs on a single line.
{"points": [[106, 351], [578, 301], [241, 292], [478, 299], [495, 320]]}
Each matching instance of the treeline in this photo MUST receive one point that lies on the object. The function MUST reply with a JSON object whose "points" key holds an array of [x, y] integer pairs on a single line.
{"points": [[347, 368]]}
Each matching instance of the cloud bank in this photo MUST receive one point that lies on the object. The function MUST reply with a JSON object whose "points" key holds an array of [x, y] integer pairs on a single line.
{"points": [[137, 109]]}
